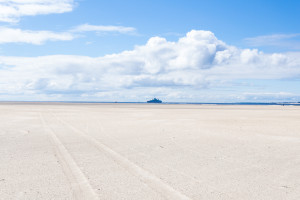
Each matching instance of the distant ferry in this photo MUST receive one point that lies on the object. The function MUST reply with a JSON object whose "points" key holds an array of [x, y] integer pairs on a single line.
{"points": [[155, 100]]}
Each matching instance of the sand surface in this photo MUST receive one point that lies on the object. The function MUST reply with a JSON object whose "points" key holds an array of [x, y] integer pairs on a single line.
{"points": [[142, 151]]}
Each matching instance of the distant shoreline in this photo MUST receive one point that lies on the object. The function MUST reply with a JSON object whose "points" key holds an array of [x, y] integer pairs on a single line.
{"points": [[182, 103]]}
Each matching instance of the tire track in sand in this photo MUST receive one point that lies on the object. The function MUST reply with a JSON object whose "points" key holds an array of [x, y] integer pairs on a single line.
{"points": [[79, 183], [146, 177]]}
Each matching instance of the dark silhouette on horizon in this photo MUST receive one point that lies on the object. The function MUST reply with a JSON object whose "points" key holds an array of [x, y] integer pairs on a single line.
{"points": [[155, 100]]}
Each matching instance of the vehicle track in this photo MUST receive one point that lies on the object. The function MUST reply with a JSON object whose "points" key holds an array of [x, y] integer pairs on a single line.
{"points": [[80, 185], [148, 157], [157, 163], [146, 177]]}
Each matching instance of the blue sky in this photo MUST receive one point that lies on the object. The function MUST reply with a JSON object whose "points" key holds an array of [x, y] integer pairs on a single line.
{"points": [[195, 51]]}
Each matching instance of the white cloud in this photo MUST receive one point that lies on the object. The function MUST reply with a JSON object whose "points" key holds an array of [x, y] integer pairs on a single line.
{"points": [[265, 39], [269, 96], [101, 29], [13, 35], [195, 62], [10, 35], [290, 41], [13, 10]]}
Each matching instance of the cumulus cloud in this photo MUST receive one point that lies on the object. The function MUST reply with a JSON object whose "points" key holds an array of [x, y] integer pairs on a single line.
{"points": [[13, 10], [195, 62], [10, 35], [101, 29]]}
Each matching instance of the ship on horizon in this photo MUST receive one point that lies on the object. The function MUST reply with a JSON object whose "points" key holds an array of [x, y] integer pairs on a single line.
{"points": [[155, 100]]}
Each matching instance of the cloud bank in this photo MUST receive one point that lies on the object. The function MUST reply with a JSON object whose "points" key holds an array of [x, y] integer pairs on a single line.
{"points": [[195, 62], [12, 10]]}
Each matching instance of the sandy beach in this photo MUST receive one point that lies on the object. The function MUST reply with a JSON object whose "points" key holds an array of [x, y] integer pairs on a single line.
{"points": [[142, 151]]}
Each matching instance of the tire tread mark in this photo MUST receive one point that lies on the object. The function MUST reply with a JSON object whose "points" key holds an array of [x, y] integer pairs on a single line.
{"points": [[151, 180], [80, 185]]}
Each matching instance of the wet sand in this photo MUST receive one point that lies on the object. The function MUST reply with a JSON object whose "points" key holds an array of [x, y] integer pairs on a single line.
{"points": [[143, 151]]}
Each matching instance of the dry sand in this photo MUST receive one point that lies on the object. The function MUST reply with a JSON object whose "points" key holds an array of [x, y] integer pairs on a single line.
{"points": [[142, 151]]}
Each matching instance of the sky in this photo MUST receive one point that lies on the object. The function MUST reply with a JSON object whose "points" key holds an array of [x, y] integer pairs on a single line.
{"points": [[134, 50]]}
